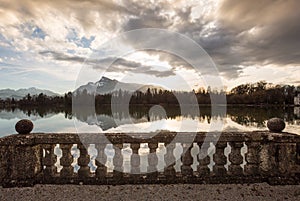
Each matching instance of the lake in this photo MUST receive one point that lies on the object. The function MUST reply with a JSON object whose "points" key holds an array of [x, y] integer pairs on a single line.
{"points": [[148, 119]]}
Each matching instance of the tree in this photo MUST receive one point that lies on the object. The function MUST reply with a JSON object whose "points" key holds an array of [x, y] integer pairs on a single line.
{"points": [[28, 97]]}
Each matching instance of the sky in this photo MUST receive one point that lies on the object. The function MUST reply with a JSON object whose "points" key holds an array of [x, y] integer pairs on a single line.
{"points": [[49, 44]]}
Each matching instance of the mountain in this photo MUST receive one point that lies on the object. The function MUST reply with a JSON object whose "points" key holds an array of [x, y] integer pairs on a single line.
{"points": [[106, 122], [106, 86], [20, 93]]}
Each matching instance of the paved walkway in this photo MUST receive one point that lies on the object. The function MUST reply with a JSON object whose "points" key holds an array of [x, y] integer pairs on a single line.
{"points": [[153, 192]]}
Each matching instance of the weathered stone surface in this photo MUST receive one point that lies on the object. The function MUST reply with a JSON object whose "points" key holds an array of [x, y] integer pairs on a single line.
{"points": [[3, 163], [276, 125], [286, 157], [24, 126], [270, 157], [66, 160]]}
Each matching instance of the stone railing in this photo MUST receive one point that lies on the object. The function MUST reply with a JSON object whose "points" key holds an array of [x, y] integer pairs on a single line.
{"points": [[243, 157]]}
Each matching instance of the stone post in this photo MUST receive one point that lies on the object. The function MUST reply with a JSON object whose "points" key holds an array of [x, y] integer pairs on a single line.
{"points": [[23, 161]]}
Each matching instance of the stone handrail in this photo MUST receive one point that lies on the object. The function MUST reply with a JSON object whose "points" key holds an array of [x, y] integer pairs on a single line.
{"points": [[64, 158]]}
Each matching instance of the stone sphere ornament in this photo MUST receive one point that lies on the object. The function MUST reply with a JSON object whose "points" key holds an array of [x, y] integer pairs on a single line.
{"points": [[276, 125], [24, 126]]}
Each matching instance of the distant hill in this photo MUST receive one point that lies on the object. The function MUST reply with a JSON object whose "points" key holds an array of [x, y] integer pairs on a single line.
{"points": [[103, 86], [20, 93], [106, 86]]}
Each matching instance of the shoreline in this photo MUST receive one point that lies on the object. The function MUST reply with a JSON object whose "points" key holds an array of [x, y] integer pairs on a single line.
{"points": [[263, 105]]}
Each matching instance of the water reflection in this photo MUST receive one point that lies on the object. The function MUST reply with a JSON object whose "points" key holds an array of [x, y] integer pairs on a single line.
{"points": [[58, 119]]}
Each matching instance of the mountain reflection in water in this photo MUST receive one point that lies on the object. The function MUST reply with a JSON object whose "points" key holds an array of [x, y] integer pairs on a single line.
{"points": [[119, 120]]}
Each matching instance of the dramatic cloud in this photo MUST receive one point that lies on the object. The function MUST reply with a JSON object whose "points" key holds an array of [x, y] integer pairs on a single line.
{"points": [[267, 31], [238, 35], [110, 64]]}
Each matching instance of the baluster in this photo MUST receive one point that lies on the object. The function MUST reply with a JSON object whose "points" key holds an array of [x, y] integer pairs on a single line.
{"points": [[220, 159], [187, 160], [101, 170], [252, 158], [177, 153], [118, 161], [49, 160], [135, 158], [170, 161], [83, 162], [203, 159], [152, 160], [236, 158], [66, 160]]}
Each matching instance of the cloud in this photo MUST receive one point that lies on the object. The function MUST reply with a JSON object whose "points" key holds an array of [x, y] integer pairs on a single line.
{"points": [[62, 56], [110, 64], [48, 24], [216, 40], [236, 34], [148, 15], [123, 65], [266, 31], [28, 9]]}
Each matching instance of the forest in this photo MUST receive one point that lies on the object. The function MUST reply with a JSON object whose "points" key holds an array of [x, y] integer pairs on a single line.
{"points": [[260, 93]]}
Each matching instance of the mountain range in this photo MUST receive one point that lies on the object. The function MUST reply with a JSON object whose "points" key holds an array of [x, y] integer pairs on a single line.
{"points": [[103, 86], [20, 93], [106, 85]]}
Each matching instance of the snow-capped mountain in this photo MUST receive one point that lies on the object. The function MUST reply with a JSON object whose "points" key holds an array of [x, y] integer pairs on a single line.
{"points": [[106, 86], [20, 93]]}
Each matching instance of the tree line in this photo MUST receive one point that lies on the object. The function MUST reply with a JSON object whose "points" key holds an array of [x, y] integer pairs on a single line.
{"points": [[39, 100], [260, 93], [263, 93]]}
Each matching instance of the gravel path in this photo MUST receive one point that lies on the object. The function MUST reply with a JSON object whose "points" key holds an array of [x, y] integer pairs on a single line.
{"points": [[153, 192]]}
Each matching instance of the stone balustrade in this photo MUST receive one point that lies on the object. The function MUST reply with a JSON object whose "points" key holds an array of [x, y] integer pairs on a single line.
{"points": [[119, 158]]}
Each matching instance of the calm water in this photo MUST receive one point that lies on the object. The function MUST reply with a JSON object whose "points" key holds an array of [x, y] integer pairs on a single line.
{"points": [[147, 119]]}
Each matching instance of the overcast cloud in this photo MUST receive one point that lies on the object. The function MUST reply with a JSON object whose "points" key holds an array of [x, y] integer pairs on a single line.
{"points": [[59, 35]]}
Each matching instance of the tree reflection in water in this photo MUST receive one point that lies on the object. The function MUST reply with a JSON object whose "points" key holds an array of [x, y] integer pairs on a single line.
{"points": [[103, 117]]}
